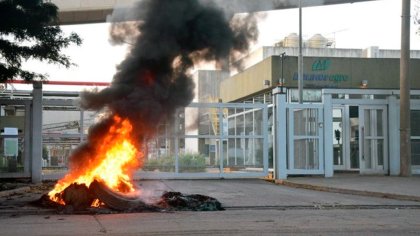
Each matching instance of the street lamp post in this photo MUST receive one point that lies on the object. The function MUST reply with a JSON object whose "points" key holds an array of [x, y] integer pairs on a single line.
{"points": [[405, 126], [281, 80], [300, 57]]}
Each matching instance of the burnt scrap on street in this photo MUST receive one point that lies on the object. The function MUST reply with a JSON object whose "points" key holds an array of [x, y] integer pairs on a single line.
{"points": [[98, 198]]}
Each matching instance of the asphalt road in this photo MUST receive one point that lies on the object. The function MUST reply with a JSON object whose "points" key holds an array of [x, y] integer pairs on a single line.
{"points": [[253, 207], [255, 221]]}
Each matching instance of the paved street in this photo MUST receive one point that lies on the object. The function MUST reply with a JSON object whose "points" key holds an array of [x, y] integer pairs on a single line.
{"points": [[256, 221], [253, 207], [240, 193]]}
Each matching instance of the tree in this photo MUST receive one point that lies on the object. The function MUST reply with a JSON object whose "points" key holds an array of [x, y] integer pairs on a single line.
{"points": [[416, 15], [29, 30]]}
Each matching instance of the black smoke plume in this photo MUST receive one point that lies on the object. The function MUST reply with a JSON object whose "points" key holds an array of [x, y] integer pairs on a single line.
{"points": [[153, 79]]}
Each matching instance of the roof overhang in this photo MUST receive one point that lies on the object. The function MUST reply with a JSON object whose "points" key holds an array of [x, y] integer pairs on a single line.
{"points": [[85, 11]]}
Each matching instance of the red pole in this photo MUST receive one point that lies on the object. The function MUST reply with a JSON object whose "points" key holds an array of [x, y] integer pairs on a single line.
{"points": [[65, 83]]}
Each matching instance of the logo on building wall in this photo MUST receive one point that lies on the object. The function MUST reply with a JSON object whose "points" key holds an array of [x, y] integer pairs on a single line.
{"points": [[320, 75], [321, 65]]}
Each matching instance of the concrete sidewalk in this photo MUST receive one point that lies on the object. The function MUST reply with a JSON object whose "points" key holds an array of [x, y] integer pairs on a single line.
{"points": [[393, 187]]}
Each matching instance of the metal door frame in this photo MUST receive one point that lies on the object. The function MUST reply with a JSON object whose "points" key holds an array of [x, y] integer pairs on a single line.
{"points": [[291, 138], [415, 105], [375, 169], [345, 137]]}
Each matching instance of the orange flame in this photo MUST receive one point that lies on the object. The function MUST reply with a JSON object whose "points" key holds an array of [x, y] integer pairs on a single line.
{"points": [[116, 159]]}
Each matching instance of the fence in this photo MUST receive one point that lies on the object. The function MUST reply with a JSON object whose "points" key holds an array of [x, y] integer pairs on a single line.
{"points": [[203, 140]]}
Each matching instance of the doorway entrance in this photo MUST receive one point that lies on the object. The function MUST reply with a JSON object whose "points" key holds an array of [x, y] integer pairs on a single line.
{"points": [[359, 138]]}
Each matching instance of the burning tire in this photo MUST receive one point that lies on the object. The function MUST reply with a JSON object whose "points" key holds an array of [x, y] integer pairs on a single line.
{"points": [[115, 200], [78, 196]]}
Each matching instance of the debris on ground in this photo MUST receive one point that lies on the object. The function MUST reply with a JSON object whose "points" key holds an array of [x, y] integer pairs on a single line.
{"points": [[99, 199], [192, 202]]}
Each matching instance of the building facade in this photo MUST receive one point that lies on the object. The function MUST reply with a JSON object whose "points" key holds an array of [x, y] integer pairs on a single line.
{"points": [[359, 117]]}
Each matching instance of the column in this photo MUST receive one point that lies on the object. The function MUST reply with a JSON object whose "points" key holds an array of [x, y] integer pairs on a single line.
{"points": [[280, 137], [36, 133], [328, 136], [393, 134]]}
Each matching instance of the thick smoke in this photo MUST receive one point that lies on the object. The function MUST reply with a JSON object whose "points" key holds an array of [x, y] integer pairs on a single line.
{"points": [[124, 32], [153, 80]]}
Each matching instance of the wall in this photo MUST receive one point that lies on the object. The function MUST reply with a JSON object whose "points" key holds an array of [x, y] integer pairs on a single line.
{"points": [[320, 72], [372, 52], [246, 82], [13, 121]]}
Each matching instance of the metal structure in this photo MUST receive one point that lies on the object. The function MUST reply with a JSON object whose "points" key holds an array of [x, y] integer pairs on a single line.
{"points": [[300, 56], [301, 138], [213, 140], [37, 114], [346, 129], [405, 127], [231, 139], [85, 11], [27, 163]]}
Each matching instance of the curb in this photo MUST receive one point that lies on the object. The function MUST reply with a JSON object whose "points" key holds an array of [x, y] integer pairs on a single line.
{"points": [[14, 191], [348, 191]]}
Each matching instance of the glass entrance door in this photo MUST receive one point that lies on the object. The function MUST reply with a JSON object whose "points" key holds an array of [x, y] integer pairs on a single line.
{"points": [[339, 138], [373, 156], [353, 127], [415, 140], [346, 137]]}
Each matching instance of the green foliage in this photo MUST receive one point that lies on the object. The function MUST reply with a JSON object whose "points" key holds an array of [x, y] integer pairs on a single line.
{"points": [[192, 162], [165, 164], [29, 30], [44, 152], [189, 162]]}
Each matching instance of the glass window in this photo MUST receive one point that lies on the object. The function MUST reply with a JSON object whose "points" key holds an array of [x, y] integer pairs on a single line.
{"points": [[309, 95], [415, 137], [306, 121], [305, 154], [12, 142], [415, 126]]}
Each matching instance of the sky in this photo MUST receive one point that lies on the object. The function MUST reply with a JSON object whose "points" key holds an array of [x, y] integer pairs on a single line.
{"points": [[357, 25]]}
